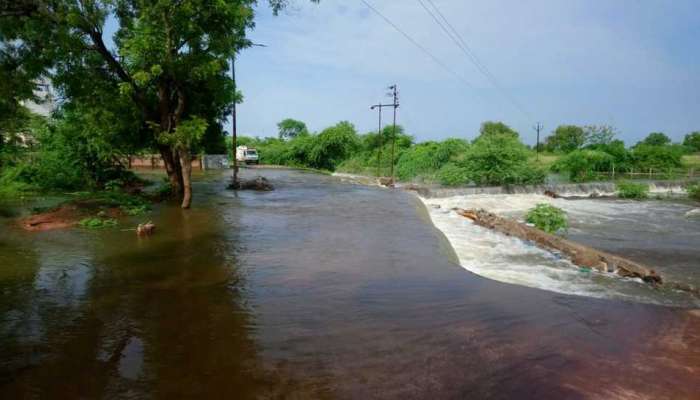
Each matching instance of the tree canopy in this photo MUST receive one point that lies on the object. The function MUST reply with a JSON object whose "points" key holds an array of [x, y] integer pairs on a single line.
{"points": [[495, 128], [168, 64], [692, 141], [290, 128], [566, 138], [655, 139]]}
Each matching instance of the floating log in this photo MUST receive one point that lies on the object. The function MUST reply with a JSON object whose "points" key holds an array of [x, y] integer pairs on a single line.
{"points": [[579, 254]]}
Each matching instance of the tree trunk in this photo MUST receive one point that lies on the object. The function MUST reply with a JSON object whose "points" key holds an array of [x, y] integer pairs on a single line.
{"points": [[186, 173], [173, 168]]}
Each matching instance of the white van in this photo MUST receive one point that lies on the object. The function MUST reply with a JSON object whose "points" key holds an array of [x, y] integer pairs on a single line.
{"points": [[247, 155]]}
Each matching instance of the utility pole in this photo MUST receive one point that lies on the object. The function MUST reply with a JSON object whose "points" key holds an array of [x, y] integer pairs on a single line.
{"points": [[395, 94], [538, 128], [379, 136], [234, 133]]}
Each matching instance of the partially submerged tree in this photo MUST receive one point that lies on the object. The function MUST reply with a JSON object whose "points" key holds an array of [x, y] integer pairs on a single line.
{"points": [[169, 62]]}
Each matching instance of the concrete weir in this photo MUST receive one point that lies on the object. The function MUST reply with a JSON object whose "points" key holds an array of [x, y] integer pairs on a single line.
{"points": [[580, 255]]}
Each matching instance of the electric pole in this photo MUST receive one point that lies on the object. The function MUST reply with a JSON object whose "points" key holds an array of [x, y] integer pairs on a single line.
{"points": [[234, 133], [395, 94], [538, 128], [379, 136], [234, 136]]}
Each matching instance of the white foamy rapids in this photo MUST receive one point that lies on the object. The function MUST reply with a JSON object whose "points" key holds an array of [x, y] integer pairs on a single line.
{"points": [[511, 260]]}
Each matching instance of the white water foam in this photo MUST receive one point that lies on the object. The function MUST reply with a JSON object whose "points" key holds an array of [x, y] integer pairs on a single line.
{"points": [[511, 260]]}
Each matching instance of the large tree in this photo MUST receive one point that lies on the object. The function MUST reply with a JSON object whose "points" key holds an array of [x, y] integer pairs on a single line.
{"points": [[168, 62], [496, 128], [290, 128], [655, 139], [566, 138]]}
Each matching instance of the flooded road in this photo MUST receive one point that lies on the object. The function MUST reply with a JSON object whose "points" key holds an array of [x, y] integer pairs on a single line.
{"points": [[317, 290]]}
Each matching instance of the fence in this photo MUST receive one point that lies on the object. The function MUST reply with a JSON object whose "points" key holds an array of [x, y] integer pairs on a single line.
{"points": [[155, 161], [651, 173]]}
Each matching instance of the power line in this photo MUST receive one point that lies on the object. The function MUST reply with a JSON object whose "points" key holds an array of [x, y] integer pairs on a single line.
{"points": [[461, 43], [419, 46]]}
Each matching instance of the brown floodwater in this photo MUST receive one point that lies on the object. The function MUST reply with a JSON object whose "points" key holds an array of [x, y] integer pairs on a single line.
{"points": [[319, 289]]}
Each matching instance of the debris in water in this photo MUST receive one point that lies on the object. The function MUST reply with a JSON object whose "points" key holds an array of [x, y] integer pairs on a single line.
{"points": [[146, 229], [581, 255], [259, 183]]}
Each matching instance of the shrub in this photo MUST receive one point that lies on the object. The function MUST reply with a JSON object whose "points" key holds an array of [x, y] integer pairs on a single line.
{"points": [[452, 175], [97, 223], [658, 157], [548, 218], [632, 190], [582, 165], [694, 191], [500, 159]]}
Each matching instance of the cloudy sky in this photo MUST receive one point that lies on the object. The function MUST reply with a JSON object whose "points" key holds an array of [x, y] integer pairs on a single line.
{"points": [[634, 64]]}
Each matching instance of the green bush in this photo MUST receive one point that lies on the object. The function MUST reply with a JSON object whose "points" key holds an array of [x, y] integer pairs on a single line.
{"points": [[500, 159], [582, 165], [647, 156], [97, 223], [452, 175], [632, 190], [694, 191], [548, 218]]}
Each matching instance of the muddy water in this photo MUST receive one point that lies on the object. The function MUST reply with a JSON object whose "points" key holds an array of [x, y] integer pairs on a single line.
{"points": [[316, 290]]}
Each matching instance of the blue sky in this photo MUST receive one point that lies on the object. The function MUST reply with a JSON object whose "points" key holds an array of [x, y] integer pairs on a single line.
{"points": [[634, 64]]}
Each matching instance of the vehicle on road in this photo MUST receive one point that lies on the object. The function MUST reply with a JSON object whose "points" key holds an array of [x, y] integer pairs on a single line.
{"points": [[247, 155]]}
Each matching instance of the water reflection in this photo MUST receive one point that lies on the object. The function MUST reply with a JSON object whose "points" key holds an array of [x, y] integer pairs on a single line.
{"points": [[315, 290]]}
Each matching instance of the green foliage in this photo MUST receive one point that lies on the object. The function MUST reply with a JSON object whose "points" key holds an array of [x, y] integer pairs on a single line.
{"points": [[136, 210], [566, 138], [548, 218], [185, 135], [692, 140], [333, 145], [694, 191], [659, 157], [12, 182], [500, 159], [655, 139], [632, 190], [496, 128], [452, 174], [291, 128], [426, 158], [599, 135], [97, 223], [582, 165]]}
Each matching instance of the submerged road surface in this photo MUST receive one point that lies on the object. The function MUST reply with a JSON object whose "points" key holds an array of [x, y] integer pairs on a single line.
{"points": [[316, 290]]}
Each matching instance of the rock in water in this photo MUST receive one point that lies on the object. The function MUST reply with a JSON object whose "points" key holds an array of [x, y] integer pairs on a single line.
{"points": [[693, 213]]}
